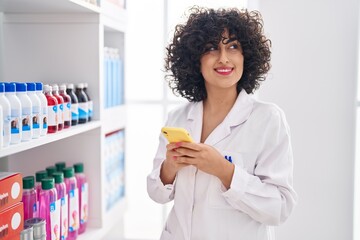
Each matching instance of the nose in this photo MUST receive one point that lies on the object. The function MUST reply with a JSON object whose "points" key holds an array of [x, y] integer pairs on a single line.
{"points": [[223, 57]]}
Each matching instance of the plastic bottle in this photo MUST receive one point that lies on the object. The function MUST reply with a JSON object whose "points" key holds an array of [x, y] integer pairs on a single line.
{"points": [[15, 104], [83, 189], [36, 109], [90, 102], [49, 208], [60, 166], [55, 92], [44, 108], [6, 109], [74, 104], [39, 175], [29, 198], [63, 198], [52, 103], [83, 105], [26, 109], [67, 105], [73, 201]]}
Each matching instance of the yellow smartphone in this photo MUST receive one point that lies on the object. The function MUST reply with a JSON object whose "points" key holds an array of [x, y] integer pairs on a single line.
{"points": [[175, 134]]}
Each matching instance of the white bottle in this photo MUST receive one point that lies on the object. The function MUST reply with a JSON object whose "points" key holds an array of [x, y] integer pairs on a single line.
{"points": [[26, 109], [6, 110], [44, 108], [36, 108], [15, 104]]}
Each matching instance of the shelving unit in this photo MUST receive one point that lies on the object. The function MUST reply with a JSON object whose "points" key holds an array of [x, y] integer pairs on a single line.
{"points": [[61, 41]]}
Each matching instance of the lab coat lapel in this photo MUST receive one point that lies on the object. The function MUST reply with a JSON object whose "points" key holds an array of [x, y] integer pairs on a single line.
{"points": [[238, 114], [195, 120]]}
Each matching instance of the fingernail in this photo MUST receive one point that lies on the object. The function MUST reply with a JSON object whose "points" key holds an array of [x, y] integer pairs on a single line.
{"points": [[178, 144]]}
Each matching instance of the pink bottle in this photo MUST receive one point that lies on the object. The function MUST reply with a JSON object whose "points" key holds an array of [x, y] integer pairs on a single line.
{"points": [[52, 120], [62, 197], [60, 100], [29, 198], [83, 195], [39, 175], [73, 201], [49, 208]]}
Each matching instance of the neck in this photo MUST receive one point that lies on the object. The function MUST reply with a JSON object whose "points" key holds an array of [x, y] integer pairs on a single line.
{"points": [[221, 101]]}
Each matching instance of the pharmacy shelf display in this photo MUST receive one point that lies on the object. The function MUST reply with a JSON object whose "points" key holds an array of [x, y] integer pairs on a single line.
{"points": [[63, 41]]}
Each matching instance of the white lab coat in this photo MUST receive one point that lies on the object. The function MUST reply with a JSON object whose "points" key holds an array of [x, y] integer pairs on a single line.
{"points": [[256, 137]]}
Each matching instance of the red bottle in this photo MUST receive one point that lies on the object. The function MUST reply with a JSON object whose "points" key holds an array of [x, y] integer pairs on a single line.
{"points": [[67, 105], [55, 92], [52, 119]]}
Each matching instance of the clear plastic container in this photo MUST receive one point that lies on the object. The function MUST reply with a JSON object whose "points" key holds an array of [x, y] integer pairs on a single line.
{"points": [[29, 198], [44, 108], [83, 188], [49, 208], [26, 110], [73, 201], [63, 198], [36, 109]]}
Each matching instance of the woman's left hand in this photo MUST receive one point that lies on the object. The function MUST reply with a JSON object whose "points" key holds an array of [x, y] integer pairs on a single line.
{"points": [[207, 159]]}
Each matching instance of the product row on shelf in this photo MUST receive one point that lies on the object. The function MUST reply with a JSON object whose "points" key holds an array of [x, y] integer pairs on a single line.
{"points": [[31, 110], [114, 78], [51, 204]]}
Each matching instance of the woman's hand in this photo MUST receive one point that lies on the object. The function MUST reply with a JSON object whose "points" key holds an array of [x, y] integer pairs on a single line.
{"points": [[205, 158]]}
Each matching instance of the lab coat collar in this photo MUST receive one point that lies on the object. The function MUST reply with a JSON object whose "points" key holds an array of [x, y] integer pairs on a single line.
{"points": [[238, 114]]}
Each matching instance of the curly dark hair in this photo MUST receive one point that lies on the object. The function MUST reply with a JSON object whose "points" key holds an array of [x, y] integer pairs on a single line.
{"points": [[206, 26]]}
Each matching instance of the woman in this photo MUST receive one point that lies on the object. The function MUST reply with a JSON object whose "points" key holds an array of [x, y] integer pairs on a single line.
{"points": [[235, 181]]}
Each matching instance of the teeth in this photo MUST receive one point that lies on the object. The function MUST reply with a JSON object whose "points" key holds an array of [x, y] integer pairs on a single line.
{"points": [[223, 70]]}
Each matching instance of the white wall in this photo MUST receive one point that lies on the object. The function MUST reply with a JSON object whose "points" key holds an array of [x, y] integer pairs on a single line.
{"points": [[314, 80]]}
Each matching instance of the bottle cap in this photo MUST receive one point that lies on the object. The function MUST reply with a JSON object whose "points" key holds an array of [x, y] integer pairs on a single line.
{"points": [[28, 182], [80, 85], [2, 87], [40, 175], [27, 233], [86, 85], [10, 87], [60, 166], [31, 87], [70, 86], [58, 176], [47, 183], [47, 88], [20, 87], [62, 87], [79, 167], [68, 172], [39, 86], [39, 227], [55, 87], [50, 170]]}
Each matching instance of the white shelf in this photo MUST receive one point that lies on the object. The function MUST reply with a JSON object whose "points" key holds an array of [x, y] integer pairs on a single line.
{"points": [[47, 6], [65, 133], [112, 217]]}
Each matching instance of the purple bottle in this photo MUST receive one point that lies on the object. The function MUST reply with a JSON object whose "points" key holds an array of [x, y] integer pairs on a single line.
{"points": [[49, 208], [73, 201], [83, 195], [62, 197], [29, 198]]}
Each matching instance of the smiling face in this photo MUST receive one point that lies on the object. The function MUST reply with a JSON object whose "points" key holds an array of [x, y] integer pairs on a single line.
{"points": [[222, 65]]}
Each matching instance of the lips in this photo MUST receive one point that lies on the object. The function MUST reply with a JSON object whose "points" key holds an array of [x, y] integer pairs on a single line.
{"points": [[224, 70]]}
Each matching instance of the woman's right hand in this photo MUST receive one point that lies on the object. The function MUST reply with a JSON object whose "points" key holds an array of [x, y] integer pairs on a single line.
{"points": [[170, 166]]}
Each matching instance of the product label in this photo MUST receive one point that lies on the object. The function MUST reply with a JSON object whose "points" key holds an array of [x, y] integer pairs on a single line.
{"points": [[67, 112], [15, 121], [26, 119], [84, 203], [52, 119], [75, 111], [73, 210], [83, 110], [36, 117], [7, 126], [64, 217], [55, 220], [90, 105]]}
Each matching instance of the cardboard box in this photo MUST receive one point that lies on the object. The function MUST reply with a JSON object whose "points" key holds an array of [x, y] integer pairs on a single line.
{"points": [[10, 189], [12, 222]]}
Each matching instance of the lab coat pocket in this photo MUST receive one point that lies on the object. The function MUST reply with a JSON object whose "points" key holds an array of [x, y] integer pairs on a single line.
{"points": [[216, 189]]}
